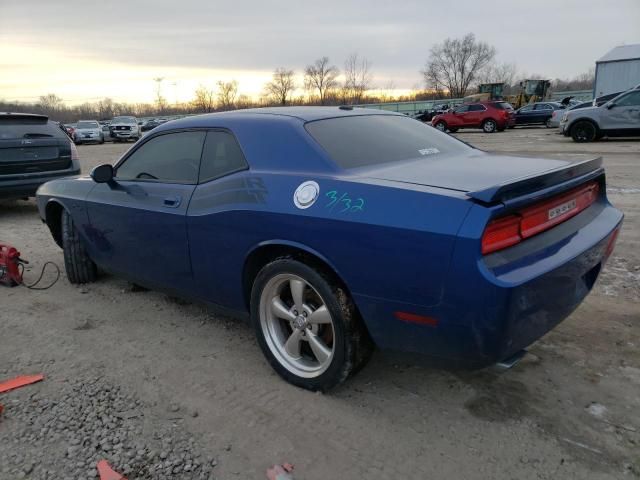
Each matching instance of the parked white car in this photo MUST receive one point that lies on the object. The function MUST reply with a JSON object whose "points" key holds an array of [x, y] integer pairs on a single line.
{"points": [[619, 117]]}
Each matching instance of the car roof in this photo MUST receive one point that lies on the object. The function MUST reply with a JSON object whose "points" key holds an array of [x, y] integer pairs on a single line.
{"points": [[23, 116], [270, 114]]}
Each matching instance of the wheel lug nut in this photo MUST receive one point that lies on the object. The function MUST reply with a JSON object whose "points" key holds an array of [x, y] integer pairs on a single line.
{"points": [[295, 312]]}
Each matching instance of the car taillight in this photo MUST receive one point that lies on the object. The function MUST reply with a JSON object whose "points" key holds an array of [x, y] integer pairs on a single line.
{"points": [[507, 231], [74, 151]]}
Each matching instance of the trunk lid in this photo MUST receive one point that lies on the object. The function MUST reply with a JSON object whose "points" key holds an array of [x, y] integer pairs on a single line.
{"points": [[488, 177]]}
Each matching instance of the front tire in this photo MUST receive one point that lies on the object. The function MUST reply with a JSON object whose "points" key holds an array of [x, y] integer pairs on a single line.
{"points": [[583, 131], [489, 126], [79, 267], [441, 126], [307, 325]]}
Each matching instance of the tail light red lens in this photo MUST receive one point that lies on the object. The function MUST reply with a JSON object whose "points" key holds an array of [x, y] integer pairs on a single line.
{"points": [[74, 152], [507, 231]]}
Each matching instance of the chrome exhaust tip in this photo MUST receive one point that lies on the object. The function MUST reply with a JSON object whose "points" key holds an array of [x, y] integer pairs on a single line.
{"points": [[512, 361]]}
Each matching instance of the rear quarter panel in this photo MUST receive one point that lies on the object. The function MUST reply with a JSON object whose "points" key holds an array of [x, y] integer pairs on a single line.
{"points": [[397, 245]]}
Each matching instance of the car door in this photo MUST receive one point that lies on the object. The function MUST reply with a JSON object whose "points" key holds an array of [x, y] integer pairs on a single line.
{"points": [[622, 114], [524, 115], [138, 220], [541, 112], [458, 116], [475, 115], [217, 218]]}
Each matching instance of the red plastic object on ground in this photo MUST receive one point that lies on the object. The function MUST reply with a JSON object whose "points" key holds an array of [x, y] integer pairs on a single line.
{"points": [[20, 382], [107, 473], [9, 261]]}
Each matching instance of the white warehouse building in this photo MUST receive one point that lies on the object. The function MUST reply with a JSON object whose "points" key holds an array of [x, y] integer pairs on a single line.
{"points": [[618, 70]]}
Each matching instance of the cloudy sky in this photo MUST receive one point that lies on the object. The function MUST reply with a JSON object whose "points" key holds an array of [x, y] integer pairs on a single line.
{"points": [[84, 51]]}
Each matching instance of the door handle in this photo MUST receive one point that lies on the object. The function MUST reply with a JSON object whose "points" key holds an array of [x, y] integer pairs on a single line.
{"points": [[172, 202]]}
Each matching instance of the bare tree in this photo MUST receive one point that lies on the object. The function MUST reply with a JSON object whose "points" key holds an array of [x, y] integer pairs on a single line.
{"points": [[50, 103], [583, 81], [357, 78], [281, 85], [495, 72], [227, 93], [105, 108], [456, 63], [204, 99], [321, 77], [244, 101]]}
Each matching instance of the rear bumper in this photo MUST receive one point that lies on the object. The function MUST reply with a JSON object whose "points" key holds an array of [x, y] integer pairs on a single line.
{"points": [[27, 186], [492, 307]]}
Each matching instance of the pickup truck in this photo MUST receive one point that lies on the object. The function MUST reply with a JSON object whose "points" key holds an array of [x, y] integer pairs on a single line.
{"points": [[125, 128]]}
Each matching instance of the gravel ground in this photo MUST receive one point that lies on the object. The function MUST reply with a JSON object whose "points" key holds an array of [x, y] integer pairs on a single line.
{"points": [[133, 376]]}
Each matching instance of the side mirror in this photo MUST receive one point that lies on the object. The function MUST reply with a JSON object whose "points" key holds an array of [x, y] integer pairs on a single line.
{"points": [[610, 105], [102, 173]]}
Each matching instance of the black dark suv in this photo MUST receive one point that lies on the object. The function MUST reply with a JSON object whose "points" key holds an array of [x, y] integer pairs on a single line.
{"points": [[33, 150]]}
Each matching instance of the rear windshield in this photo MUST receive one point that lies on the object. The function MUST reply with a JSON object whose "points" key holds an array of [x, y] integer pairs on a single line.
{"points": [[376, 139], [503, 105], [11, 129], [82, 125]]}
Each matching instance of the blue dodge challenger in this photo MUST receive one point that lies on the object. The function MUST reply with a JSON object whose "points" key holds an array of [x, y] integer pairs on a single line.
{"points": [[340, 229]]}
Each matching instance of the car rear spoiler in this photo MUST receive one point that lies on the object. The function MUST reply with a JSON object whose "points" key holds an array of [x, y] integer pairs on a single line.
{"points": [[521, 186]]}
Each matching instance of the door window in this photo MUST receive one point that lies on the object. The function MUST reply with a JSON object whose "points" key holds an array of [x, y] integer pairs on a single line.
{"points": [[476, 108], [462, 109], [630, 100], [170, 158], [221, 156], [526, 109], [543, 106]]}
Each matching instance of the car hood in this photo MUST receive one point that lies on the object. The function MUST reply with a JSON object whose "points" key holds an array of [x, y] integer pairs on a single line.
{"points": [[88, 129], [483, 172]]}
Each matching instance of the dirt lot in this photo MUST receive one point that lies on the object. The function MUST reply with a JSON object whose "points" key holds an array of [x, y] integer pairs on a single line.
{"points": [[166, 389]]}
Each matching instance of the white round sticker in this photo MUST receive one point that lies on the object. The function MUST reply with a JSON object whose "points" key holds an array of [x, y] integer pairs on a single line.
{"points": [[306, 194]]}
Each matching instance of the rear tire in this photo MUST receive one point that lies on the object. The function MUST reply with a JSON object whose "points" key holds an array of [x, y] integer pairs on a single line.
{"points": [[583, 131], [289, 337], [489, 126], [79, 267], [548, 123]]}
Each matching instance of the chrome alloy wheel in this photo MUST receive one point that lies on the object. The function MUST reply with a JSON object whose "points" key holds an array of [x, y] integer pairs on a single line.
{"points": [[297, 325]]}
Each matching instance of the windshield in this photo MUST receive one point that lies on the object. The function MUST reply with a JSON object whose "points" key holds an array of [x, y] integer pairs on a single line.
{"points": [[366, 140], [129, 120], [82, 125]]}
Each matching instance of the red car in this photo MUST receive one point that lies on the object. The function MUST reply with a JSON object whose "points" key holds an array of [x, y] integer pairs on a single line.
{"points": [[489, 116]]}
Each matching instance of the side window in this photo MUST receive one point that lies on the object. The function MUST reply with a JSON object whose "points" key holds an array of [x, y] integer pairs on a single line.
{"points": [[476, 108], [526, 108], [542, 106], [631, 99], [221, 156], [462, 109], [171, 158]]}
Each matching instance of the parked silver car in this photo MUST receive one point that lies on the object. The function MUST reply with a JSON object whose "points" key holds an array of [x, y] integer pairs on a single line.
{"points": [[88, 131], [619, 117]]}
